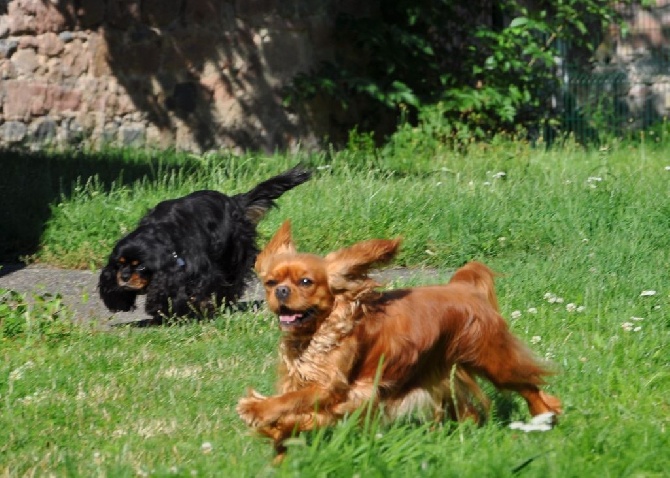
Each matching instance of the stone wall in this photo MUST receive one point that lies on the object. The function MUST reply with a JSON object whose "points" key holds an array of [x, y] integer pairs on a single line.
{"points": [[627, 81], [189, 74]]}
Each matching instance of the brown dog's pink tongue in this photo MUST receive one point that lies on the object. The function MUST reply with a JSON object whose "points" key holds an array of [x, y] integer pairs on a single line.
{"points": [[287, 319]]}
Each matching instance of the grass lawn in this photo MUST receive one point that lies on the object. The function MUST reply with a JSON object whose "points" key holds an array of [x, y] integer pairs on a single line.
{"points": [[582, 240]]}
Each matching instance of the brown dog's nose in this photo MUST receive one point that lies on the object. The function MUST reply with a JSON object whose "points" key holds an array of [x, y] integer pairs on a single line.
{"points": [[282, 292]]}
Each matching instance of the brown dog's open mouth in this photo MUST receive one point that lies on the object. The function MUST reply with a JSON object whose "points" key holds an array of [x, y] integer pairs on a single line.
{"points": [[289, 318]]}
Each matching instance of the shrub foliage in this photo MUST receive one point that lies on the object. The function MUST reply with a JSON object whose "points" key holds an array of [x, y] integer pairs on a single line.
{"points": [[484, 67]]}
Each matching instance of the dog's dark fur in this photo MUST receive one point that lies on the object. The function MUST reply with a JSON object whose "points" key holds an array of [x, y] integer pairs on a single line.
{"points": [[192, 254]]}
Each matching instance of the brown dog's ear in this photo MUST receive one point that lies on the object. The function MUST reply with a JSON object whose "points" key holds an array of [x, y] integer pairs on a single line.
{"points": [[281, 243], [348, 268]]}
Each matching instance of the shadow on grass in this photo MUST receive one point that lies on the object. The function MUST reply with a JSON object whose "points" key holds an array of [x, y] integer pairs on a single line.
{"points": [[33, 182]]}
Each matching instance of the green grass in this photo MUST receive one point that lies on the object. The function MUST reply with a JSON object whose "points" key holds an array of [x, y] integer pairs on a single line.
{"points": [[129, 402]]}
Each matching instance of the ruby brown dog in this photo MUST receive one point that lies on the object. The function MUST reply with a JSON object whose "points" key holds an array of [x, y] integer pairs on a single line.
{"points": [[345, 344]]}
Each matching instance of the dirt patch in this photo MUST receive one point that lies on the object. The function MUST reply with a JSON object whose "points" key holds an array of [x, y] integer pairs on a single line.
{"points": [[79, 289]]}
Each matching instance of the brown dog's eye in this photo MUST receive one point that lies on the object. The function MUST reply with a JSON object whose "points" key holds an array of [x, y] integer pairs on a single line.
{"points": [[270, 283], [305, 282]]}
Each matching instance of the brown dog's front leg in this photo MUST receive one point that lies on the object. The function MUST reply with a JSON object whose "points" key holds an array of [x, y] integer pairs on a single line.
{"points": [[293, 408]]}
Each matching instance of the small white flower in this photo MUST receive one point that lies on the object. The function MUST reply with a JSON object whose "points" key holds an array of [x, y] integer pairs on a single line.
{"points": [[499, 175], [206, 447], [637, 319], [581, 308], [559, 300], [594, 179], [516, 314], [647, 293], [571, 307], [637, 329], [532, 310], [627, 326], [502, 239], [486, 183], [535, 339]]}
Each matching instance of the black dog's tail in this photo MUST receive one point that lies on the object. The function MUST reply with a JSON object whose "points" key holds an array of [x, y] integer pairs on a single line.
{"points": [[261, 198]]}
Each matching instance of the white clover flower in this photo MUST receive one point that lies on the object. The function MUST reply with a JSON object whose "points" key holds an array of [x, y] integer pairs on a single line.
{"points": [[532, 310], [559, 300], [206, 447], [486, 183], [535, 339], [571, 307], [581, 308], [516, 314], [647, 293], [499, 175], [502, 239], [637, 329], [627, 326]]}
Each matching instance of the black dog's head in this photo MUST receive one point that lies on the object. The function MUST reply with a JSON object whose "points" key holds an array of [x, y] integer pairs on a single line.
{"points": [[132, 265]]}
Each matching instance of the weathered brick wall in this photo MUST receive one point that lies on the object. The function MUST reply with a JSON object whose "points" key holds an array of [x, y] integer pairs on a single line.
{"points": [[190, 74]]}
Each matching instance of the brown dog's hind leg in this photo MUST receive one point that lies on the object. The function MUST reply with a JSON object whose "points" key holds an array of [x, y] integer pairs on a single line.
{"points": [[509, 365]]}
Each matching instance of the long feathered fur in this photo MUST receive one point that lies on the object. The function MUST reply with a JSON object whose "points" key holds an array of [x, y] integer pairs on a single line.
{"points": [[345, 344], [190, 255]]}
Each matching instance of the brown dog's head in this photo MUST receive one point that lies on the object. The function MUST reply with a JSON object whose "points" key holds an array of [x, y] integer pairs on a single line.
{"points": [[301, 288]]}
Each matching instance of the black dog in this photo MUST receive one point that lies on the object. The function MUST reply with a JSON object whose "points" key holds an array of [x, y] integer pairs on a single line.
{"points": [[192, 254]]}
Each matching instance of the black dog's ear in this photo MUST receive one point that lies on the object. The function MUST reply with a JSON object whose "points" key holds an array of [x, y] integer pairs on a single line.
{"points": [[115, 298]]}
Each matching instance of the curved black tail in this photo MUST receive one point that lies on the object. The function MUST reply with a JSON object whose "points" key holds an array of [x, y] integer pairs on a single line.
{"points": [[261, 198]]}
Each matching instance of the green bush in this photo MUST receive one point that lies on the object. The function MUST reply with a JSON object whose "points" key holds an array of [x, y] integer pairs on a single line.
{"points": [[483, 75]]}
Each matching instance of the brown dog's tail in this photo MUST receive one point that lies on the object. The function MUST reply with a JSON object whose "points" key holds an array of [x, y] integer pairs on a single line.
{"points": [[481, 277]]}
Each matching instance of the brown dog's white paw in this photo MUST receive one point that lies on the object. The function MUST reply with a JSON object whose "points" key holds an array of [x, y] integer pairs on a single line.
{"points": [[539, 423]]}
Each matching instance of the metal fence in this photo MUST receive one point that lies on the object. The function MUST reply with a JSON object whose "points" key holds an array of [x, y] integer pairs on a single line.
{"points": [[627, 90]]}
